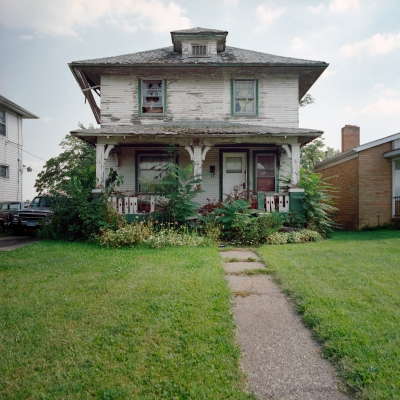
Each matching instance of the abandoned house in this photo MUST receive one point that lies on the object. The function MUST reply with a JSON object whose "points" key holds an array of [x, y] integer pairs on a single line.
{"points": [[368, 180], [234, 113]]}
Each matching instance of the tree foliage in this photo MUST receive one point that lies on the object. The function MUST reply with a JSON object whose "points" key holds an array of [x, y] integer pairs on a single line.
{"points": [[78, 160], [306, 100], [314, 153]]}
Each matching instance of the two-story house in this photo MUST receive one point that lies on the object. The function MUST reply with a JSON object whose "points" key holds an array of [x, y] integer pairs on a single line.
{"points": [[234, 113], [11, 167]]}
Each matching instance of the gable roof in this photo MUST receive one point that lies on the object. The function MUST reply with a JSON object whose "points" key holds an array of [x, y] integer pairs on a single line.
{"points": [[349, 154], [16, 108]]}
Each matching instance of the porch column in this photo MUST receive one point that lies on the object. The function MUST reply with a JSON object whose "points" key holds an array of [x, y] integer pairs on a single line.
{"points": [[197, 155], [295, 170], [102, 153]]}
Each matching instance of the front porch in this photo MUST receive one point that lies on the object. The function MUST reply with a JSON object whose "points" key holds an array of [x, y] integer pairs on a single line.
{"points": [[260, 160]]}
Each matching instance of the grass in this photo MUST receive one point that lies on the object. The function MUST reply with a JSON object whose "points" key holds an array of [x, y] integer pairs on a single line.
{"points": [[80, 321], [347, 289]]}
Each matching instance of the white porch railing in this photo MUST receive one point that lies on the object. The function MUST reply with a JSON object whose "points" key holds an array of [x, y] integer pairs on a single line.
{"points": [[268, 202], [129, 204]]}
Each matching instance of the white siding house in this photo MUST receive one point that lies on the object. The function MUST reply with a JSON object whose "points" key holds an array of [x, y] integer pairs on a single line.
{"points": [[234, 113], [11, 116]]}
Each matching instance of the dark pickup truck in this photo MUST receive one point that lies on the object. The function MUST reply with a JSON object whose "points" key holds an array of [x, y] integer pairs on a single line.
{"points": [[33, 216], [7, 211]]}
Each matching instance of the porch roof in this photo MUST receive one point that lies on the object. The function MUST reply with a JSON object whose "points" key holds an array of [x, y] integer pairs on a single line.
{"points": [[197, 129]]}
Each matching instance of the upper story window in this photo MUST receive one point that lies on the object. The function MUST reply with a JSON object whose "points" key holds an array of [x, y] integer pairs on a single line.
{"points": [[244, 97], [2, 123], [152, 96], [199, 50], [4, 171]]}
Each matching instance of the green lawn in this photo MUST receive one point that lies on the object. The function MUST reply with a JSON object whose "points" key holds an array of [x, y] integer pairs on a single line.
{"points": [[79, 321], [348, 290]]}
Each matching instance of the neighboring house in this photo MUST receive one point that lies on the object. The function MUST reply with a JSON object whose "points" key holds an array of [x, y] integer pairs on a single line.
{"points": [[368, 179], [234, 113], [11, 167]]}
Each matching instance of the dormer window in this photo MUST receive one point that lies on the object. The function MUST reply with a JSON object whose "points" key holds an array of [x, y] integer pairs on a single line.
{"points": [[199, 50]]}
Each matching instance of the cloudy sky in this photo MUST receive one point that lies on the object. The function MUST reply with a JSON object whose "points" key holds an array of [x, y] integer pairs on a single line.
{"points": [[360, 39]]}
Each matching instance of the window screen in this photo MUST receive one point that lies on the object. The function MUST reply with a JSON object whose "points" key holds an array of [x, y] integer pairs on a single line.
{"points": [[244, 97]]}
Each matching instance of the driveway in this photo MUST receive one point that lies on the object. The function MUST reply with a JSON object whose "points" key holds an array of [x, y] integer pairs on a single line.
{"points": [[14, 242]]}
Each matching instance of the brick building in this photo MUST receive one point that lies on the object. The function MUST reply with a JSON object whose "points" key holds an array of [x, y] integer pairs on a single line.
{"points": [[368, 179]]}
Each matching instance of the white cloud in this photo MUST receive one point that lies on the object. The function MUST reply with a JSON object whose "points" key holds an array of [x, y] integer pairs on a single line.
{"points": [[343, 5], [383, 106], [298, 44], [230, 2], [328, 73], [60, 17], [267, 17], [45, 119], [318, 9], [27, 37], [376, 45]]}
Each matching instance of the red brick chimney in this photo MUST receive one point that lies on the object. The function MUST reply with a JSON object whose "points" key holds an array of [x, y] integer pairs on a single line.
{"points": [[350, 137]]}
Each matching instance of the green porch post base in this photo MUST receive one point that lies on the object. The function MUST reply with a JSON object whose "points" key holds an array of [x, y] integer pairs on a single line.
{"points": [[296, 200], [130, 218], [260, 202]]}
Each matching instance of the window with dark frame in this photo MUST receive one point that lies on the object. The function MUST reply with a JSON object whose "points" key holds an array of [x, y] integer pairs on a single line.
{"points": [[244, 97], [4, 171], [148, 168], [2, 123], [152, 96], [265, 173]]}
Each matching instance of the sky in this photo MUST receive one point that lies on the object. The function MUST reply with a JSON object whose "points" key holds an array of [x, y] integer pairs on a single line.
{"points": [[360, 39]]}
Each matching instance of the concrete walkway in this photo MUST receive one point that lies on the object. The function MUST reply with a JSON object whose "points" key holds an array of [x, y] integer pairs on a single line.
{"points": [[280, 357]]}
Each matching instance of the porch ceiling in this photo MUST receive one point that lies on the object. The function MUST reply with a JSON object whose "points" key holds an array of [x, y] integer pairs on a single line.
{"points": [[198, 129]]}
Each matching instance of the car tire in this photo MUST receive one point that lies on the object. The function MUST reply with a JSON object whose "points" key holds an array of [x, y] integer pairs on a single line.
{"points": [[2, 228], [18, 230]]}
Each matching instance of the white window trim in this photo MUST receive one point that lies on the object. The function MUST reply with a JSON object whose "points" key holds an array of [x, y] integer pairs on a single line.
{"points": [[7, 167], [253, 113], [199, 55], [5, 123], [164, 82]]}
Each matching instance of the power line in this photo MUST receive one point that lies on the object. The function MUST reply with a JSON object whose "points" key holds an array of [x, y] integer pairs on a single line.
{"points": [[34, 155]]}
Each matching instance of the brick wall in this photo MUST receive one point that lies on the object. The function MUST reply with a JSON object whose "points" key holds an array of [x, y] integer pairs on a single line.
{"points": [[347, 183], [375, 186]]}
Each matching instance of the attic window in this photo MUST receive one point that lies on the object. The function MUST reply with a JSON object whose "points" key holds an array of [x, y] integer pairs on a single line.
{"points": [[199, 50]]}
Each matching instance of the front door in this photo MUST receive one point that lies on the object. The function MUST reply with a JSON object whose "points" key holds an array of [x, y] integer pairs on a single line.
{"points": [[234, 173]]}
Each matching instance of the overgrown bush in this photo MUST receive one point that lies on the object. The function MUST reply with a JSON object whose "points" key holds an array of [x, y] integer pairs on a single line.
{"points": [[78, 214], [147, 233], [240, 225], [128, 235], [302, 236], [177, 187], [318, 202]]}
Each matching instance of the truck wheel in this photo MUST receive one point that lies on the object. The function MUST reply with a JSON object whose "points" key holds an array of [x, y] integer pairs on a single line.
{"points": [[18, 230], [2, 228]]}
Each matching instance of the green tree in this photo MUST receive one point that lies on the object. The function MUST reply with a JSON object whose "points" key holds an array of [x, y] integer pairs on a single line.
{"points": [[306, 100], [314, 153], [78, 160]]}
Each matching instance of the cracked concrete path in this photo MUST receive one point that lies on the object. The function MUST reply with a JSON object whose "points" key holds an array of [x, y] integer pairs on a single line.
{"points": [[280, 357]]}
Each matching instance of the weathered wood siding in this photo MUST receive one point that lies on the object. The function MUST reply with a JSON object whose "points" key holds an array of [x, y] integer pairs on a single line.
{"points": [[10, 154], [211, 184], [201, 96]]}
